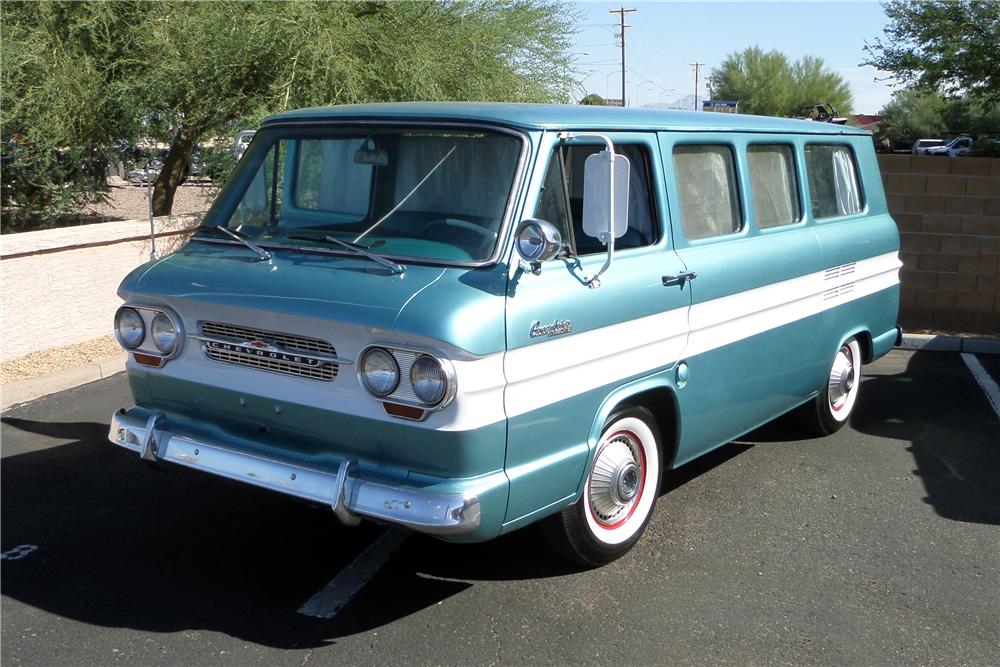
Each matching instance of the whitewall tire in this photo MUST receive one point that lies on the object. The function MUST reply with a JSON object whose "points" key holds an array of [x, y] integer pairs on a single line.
{"points": [[831, 409], [619, 495]]}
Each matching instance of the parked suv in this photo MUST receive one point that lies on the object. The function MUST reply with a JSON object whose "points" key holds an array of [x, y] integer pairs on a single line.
{"points": [[954, 148]]}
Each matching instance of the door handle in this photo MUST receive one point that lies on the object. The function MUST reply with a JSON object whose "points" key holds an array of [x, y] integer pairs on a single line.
{"points": [[679, 279]]}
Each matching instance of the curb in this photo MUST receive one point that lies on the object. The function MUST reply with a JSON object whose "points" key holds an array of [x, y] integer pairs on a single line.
{"points": [[23, 391], [931, 343]]}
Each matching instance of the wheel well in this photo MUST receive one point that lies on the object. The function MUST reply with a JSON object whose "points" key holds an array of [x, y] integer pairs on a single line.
{"points": [[663, 404], [865, 343]]}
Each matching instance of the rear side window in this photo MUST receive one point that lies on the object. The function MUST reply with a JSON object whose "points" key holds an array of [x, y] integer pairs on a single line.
{"points": [[833, 181], [706, 185], [773, 185]]}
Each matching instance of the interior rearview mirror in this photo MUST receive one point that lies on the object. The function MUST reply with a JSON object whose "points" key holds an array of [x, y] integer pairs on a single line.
{"points": [[598, 218]]}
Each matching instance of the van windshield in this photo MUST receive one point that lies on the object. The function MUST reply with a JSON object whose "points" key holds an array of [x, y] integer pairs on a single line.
{"points": [[426, 194]]}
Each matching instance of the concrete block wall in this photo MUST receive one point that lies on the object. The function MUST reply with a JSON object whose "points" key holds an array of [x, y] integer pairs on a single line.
{"points": [[58, 286], [948, 213]]}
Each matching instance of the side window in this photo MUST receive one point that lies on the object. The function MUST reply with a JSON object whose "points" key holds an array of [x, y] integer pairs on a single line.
{"points": [[642, 221], [261, 203], [706, 186], [833, 180], [553, 200], [322, 169], [773, 185]]}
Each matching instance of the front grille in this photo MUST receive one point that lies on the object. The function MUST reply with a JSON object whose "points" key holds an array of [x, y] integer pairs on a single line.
{"points": [[283, 360]]}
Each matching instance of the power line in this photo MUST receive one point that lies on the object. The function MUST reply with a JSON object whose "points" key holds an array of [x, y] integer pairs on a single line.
{"points": [[697, 67], [621, 11]]}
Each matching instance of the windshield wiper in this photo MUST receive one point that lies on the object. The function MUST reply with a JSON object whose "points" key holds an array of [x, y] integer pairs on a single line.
{"points": [[355, 248], [263, 254]]}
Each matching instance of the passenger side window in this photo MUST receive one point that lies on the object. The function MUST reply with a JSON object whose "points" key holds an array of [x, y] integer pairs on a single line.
{"points": [[773, 185], [833, 181], [706, 186], [563, 206]]}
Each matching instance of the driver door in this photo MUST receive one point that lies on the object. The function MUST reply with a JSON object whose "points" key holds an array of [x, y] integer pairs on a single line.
{"points": [[568, 344]]}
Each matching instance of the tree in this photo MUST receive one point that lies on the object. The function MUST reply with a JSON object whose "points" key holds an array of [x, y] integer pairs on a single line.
{"points": [[769, 85], [913, 114], [61, 108], [916, 113], [947, 45], [182, 72], [594, 100]]}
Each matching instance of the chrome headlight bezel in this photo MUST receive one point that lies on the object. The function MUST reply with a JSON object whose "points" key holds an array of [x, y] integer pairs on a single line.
{"points": [[120, 314], [406, 357], [148, 314]]}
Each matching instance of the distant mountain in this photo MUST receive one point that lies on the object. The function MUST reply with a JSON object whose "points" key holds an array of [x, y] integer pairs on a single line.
{"points": [[685, 103]]}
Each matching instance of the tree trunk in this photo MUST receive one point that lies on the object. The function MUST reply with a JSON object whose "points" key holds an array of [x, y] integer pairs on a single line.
{"points": [[175, 169]]}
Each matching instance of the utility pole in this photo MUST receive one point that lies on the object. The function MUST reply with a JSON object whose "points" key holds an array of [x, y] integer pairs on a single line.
{"points": [[621, 11], [697, 67]]}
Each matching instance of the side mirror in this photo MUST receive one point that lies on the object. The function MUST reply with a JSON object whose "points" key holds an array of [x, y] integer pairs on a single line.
{"points": [[537, 241], [604, 191]]}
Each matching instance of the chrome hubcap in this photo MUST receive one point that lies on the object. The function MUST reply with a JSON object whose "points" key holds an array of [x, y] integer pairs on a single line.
{"points": [[615, 480], [842, 378]]}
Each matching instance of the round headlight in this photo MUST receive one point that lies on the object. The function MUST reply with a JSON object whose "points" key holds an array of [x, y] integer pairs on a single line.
{"points": [[164, 334], [129, 328], [380, 372], [430, 383]]}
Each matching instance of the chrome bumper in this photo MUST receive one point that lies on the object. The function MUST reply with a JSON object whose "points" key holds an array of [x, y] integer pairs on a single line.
{"points": [[349, 496]]}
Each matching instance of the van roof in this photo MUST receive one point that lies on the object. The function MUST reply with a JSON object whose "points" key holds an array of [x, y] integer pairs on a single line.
{"points": [[560, 116]]}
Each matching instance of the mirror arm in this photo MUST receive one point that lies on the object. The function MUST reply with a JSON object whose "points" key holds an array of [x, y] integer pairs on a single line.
{"points": [[594, 281]]}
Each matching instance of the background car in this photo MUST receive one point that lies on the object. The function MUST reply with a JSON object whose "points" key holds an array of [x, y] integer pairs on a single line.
{"points": [[921, 146], [954, 148]]}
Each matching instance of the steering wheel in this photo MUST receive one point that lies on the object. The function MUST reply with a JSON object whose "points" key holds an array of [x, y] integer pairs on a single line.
{"points": [[489, 236]]}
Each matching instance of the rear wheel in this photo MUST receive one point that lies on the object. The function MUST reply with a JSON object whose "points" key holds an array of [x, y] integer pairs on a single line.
{"points": [[829, 411], [619, 496]]}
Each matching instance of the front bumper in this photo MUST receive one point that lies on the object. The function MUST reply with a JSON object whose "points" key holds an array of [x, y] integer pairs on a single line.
{"points": [[350, 496]]}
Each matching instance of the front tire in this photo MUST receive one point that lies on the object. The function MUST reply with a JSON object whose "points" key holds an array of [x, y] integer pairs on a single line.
{"points": [[619, 495], [829, 411]]}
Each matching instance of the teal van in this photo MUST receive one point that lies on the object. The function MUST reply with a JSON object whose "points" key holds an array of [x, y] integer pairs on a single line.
{"points": [[466, 318]]}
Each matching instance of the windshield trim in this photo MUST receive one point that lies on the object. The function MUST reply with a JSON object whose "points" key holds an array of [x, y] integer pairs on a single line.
{"points": [[513, 196]]}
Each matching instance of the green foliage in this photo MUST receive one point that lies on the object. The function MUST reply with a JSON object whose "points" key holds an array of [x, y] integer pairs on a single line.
{"points": [[594, 100], [768, 84], [80, 79], [60, 106], [915, 113], [947, 45]]}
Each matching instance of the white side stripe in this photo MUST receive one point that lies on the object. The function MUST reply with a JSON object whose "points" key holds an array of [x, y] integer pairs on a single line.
{"points": [[549, 372]]}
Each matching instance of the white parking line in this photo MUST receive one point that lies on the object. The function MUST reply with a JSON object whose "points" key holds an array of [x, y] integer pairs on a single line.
{"points": [[19, 552], [335, 595], [989, 386]]}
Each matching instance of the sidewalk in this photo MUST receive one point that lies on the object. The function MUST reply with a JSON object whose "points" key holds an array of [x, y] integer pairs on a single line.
{"points": [[22, 391]]}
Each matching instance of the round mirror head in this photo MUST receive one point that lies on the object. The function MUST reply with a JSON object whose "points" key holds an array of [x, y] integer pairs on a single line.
{"points": [[537, 240]]}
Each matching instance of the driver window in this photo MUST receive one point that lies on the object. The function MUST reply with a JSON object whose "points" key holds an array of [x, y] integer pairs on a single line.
{"points": [[561, 199]]}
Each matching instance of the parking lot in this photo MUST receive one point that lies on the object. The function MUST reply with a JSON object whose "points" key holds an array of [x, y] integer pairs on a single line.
{"points": [[878, 545]]}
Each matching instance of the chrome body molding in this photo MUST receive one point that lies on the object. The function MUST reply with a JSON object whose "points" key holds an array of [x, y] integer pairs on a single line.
{"points": [[349, 496]]}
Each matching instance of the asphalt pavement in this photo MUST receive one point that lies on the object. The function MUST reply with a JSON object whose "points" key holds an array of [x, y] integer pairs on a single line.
{"points": [[876, 546]]}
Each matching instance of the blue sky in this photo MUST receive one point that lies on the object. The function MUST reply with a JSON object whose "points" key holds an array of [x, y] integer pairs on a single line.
{"points": [[667, 36]]}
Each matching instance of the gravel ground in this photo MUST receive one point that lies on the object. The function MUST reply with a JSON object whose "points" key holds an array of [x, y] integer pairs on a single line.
{"points": [[128, 202], [55, 359]]}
